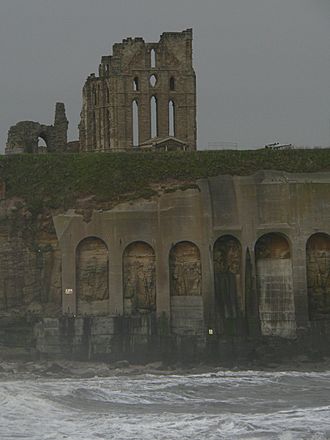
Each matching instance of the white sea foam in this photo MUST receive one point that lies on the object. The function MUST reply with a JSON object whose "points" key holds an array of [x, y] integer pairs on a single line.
{"points": [[227, 405]]}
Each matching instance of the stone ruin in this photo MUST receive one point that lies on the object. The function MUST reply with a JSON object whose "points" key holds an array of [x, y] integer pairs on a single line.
{"points": [[144, 98], [26, 136], [144, 93]]}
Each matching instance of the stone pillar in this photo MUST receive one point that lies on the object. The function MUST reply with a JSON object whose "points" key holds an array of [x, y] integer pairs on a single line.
{"points": [[207, 254], [60, 127], [162, 101], [144, 116], [116, 306], [162, 281], [300, 280]]}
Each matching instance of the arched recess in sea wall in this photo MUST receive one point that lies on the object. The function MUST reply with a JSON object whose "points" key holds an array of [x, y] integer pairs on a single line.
{"points": [[275, 286], [92, 276], [227, 262], [139, 279], [186, 289], [318, 276]]}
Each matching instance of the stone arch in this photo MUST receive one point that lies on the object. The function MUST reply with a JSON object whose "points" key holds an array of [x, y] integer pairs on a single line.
{"points": [[139, 278], [275, 285], [171, 118], [318, 276], [227, 261], [135, 123], [185, 270], [25, 137], [42, 142], [92, 276], [136, 84], [153, 58]]}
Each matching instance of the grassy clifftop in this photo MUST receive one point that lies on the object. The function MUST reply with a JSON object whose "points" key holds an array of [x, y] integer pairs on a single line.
{"points": [[54, 180]]}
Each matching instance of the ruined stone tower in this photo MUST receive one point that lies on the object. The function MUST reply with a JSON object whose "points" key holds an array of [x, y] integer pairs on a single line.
{"points": [[145, 94]]}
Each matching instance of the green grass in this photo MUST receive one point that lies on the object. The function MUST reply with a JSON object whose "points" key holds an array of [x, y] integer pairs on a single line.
{"points": [[54, 180]]}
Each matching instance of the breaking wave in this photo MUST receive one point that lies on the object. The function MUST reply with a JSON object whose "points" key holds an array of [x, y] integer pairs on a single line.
{"points": [[226, 405]]}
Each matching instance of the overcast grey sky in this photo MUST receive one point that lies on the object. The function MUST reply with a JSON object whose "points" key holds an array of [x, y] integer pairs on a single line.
{"points": [[263, 66]]}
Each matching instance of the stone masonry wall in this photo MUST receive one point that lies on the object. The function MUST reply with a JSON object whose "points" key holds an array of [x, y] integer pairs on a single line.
{"points": [[137, 72]]}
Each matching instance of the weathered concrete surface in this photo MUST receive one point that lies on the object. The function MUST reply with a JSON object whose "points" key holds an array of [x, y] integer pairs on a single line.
{"points": [[318, 276], [276, 302], [92, 277], [193, 271], [182, 228], [139, 279], [275, 286]]}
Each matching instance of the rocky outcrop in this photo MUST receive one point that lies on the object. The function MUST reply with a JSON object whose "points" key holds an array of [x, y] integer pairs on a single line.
{"points": [[30, 262]]}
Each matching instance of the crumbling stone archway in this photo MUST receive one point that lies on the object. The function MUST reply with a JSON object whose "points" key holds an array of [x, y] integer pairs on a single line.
{"points": [[92, 276], [318, 276], [42, 143], [24, 136], [139, 278], [275, 285]]}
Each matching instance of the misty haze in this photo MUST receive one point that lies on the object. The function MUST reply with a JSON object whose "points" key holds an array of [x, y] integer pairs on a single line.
{"points": [[165, 219]]}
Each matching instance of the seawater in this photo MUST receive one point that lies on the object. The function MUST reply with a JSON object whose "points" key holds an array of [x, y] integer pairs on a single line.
{"points": [[223, 405]]}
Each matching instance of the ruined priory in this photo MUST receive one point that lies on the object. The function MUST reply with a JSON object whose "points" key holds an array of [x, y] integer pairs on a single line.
{"points": [[230, 266], [144, 96]]}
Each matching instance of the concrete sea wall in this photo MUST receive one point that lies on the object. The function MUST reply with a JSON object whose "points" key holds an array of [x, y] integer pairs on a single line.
{"points": [[236, 264]]}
